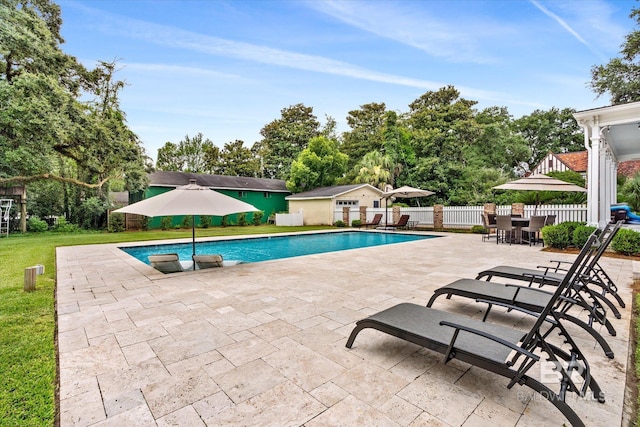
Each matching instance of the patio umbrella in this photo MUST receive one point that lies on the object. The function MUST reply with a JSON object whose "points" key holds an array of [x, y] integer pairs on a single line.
{"points": [[191, 199], [539, 183], [404, 192]]}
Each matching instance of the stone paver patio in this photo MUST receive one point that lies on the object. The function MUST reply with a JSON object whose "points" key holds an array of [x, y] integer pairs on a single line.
{"points": [[263, 344]]}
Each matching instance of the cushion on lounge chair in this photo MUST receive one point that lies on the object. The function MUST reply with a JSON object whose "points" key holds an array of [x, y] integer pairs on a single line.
{"points": [[166, 263], [208, 261]]}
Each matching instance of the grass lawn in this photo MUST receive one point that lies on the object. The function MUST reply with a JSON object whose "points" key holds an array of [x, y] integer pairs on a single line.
{"points": [[27, 320]]}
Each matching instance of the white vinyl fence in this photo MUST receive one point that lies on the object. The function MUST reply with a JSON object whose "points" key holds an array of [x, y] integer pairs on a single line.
{"points": [[468, 216]]}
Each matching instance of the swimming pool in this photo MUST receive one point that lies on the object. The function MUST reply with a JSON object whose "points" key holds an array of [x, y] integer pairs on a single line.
{"points": [[256, 249]]}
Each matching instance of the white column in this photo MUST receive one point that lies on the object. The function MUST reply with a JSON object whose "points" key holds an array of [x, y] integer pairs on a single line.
{"points": [[593, 171]]}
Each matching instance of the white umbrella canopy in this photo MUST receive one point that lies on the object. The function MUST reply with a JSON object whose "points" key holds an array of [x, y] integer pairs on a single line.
{"points": [[191, 199], [404, 192], [539, 183]]}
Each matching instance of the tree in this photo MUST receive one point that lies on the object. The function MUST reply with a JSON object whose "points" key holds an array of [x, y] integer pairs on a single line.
{"points": [[318, 165], [551, 131], [192, 154], [619, 77], [237, 160], [284, 138], [375, 169], [42, 119], [367, 127]]}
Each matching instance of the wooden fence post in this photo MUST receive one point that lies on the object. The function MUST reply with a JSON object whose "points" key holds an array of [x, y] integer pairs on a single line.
{"points": [[30, 274]]}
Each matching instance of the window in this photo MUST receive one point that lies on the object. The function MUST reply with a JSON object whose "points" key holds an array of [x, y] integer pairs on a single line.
{"points": [[242, 194], [342, 203], [376, 203], [266, 195]]}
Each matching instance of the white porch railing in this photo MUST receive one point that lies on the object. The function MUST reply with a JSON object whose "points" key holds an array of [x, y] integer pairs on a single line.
{"points": [[468, 216]]}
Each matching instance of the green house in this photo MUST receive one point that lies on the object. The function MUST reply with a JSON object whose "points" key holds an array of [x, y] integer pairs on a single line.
{"points": [[268, 195]]}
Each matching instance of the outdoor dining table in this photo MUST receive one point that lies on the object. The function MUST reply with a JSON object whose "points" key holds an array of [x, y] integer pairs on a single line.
{"points": [[518, 223]]}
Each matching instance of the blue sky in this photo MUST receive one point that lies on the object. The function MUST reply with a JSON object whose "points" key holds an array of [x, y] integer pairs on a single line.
{"points": [[227, 68]]}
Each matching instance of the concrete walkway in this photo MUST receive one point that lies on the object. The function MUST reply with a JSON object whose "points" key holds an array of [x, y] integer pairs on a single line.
{"points": [[263, 344]]}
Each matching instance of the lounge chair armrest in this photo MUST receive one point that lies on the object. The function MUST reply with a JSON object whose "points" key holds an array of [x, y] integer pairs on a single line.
{"points": [[541, 276], [483, 334]]}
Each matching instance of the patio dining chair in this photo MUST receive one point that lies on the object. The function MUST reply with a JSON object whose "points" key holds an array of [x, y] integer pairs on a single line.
{"points": [[490, 226], [504, 228], [550, 220], [531, 233]]}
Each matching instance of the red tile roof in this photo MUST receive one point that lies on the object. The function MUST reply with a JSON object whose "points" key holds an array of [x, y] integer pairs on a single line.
{"points": [[576, 161], [629, 168]]}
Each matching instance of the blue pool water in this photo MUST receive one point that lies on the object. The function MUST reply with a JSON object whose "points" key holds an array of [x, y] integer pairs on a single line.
{"points": [[275, 247]]}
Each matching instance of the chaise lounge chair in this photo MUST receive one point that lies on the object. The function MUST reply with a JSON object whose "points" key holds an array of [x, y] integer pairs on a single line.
{"points": [[375, 221], [552, 275], [166, 263], [402, 222], [208, 261], [495, 348]]}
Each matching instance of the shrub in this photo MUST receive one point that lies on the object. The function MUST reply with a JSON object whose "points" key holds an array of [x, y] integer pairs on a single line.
{"points": [[478, 229], [144, 223], [205, 221], [37, 225], [257, 217], [570, 227], [339, 223], [581, 235], [165, 223], [116, 223], [224, 221], [626, 242], [556, 236], [242, 219], [62, 226], [187, 221], [356, 223]]}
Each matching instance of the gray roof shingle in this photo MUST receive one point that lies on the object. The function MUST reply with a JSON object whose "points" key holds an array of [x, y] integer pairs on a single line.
{"points": [[220, 182], [327, 192]]}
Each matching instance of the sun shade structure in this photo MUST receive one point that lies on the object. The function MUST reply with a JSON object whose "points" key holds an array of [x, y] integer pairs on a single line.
{"points": [[404, 192], [539, 183], [191, 199]]}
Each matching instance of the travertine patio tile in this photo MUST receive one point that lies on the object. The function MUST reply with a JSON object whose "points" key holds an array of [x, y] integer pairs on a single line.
{"points": [[92, 409], [273, 330], [123, 402], [154, 341], [371, 384], [172, 394], [329, 394], [249, 380], [186, 416], [446, 401], [304, 367], [211, 405], [284, 405], [403, 412], [352, 412], [243, 352], [140, 416]]}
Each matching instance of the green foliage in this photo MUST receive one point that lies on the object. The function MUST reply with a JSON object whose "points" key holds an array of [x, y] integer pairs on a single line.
{"points": [[630, 192], [318, 165], [284, 138], [478, 229], [374, 169], [116, 223], [37, 225], [237, 160], [90, 213], [224, 222], [581, 235], [366, 134], [63, 226], [555, 236], [187, 221], [356, 223], [339, 223], [205, 221], [166, 222], [626, 242], [144, 223], [257, 217], [242, 219], [619, 77]]}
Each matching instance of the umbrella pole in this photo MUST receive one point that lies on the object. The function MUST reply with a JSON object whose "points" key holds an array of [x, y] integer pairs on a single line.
{"points": [[193, 240]]}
